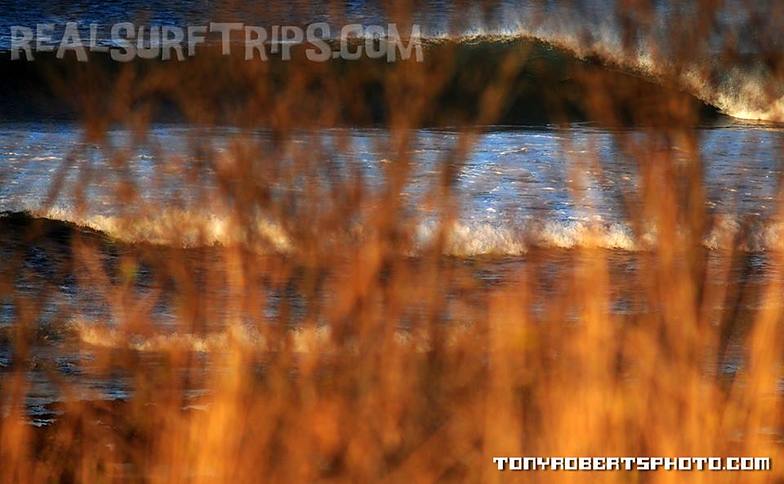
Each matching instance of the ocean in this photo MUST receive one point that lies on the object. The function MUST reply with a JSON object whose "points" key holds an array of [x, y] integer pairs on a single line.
{"points": [[543, 179]]}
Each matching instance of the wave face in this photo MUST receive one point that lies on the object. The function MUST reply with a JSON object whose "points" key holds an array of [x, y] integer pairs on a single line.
{"points": [[719, 62], [550, 71], [748, 92], [738, 74], [549, 86]]}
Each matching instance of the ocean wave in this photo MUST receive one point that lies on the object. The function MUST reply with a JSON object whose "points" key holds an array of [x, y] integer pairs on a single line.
{"points": [[725, 232], [742, 91], [179, 228], [748, 93], [483, 239], [186, 229], [302, 340]]}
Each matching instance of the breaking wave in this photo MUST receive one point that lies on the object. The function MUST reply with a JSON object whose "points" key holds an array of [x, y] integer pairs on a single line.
{"points": [[300, 340], [748, 92], [185, 229], [178, 228]]}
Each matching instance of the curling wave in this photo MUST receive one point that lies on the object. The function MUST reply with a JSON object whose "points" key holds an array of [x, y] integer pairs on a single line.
{"points": [[748, 92]]}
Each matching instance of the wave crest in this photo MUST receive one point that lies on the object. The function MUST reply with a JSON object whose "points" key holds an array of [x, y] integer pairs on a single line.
{"points": [[185, 229], [742, 92], [180, 228]]}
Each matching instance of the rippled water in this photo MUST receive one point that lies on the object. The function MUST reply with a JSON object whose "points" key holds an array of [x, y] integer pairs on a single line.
{"points": [[518, 185]]}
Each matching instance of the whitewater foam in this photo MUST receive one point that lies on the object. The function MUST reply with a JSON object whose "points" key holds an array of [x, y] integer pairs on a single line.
{"points": [[185, 229], [302, 340], [180, 228]]}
